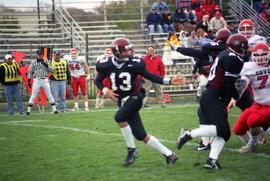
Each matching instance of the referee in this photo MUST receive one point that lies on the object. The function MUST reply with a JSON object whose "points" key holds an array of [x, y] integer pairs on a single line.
{"points": [[39, 72]]}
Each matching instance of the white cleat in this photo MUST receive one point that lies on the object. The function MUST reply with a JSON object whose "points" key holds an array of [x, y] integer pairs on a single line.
{"points": [[86, 109], [75, 109]]}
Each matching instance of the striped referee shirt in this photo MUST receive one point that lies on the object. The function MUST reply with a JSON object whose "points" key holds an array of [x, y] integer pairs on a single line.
{"points": [[39, 69]]}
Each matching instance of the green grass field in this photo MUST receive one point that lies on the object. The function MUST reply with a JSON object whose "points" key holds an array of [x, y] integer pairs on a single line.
{"points": [[89, 146]]}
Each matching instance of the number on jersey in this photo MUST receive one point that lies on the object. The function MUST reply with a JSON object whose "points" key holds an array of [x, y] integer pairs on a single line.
{"points": [[125, 84]]}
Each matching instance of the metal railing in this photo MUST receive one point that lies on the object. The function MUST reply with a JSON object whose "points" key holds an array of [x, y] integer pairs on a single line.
{"points": [[68, 24], [240, 9]]}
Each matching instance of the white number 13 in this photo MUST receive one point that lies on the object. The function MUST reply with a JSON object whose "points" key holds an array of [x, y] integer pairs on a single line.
{"points": [[126, 84]]}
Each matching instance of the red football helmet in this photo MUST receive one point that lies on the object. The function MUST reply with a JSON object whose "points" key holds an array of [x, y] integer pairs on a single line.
{"points": [[74, 53], [247, 28], [119, 45], [222, 35], [260, 54], [238, 44]]}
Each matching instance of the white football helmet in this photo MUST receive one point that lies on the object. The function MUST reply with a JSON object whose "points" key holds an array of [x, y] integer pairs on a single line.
{"points": [[247, 28], [260, 54]]}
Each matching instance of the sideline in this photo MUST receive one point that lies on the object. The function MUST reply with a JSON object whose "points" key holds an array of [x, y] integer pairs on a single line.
{"points": [[17, 123]]}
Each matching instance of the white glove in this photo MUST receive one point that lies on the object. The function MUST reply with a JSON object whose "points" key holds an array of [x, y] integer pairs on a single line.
{"points": [[88, 77], [173, 47]]}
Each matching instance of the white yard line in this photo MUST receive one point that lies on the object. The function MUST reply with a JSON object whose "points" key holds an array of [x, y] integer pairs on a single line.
{"points": [[17, 123]]}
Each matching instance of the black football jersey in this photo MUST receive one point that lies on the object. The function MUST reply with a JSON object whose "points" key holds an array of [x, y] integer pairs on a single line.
{"points": [[225, 70], [125, 76]]}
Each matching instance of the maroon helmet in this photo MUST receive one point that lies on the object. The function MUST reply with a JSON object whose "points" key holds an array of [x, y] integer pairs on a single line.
{"points": [[222, 35], [238, 44], [119, 45]]}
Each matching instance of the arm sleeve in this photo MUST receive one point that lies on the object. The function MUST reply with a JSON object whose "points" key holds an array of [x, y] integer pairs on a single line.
{"points": [[192, 52], [68, 73], [99, 80], [30, 73], [152, 77], [196, 66], [232, 69]]}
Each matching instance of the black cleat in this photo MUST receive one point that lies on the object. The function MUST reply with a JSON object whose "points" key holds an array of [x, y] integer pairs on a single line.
{"points": [[28, 113], [203, 147], [131, 156], [212, 164], [55, 112], [183, 138], [170, 160]]}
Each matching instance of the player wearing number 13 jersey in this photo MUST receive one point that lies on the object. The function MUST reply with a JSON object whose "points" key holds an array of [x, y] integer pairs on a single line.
{"points": [[220, 88], [124, 70]]}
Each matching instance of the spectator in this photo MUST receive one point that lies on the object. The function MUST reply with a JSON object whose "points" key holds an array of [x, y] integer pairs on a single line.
{"points": [[204, 24], [196, 6], [153, 21], [208, 5], [257, 4], [217, 10], [160, 5], [217, 23], [80, 73], [203, 37], [200, 14], [193, 40], [154, 65], [168, 54], [183, 3], [266, 15], [167, 21], [232, 28], [58, 79], [180, 19], [192, 20], [9, 78]]}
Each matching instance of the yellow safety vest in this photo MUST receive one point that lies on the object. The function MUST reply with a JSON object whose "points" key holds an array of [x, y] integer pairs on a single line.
{"points": [[59, 69], [11, 72]]}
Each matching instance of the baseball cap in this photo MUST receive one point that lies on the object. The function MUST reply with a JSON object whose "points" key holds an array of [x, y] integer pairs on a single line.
{"points": [[8, 56]]}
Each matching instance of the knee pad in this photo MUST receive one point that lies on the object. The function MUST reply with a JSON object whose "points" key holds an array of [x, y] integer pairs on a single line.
{"points": [[118, 117]]}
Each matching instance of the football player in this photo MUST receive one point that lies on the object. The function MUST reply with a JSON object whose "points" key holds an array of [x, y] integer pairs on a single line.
{"points": [[248, 29], [204, 59], [124, 70], [255, 73], [80, 72], [213, 111]]}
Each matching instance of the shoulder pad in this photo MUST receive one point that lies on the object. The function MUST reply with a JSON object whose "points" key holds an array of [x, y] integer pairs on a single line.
{"points": [[138, 62], [103, 64], [248, 68]]}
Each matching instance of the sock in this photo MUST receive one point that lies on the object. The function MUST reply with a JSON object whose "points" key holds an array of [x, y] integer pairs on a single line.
{"points": [[98, 100], [204, 131], [76, 105], [53, 107], [154, 143], [86, 104], [29, 108], [102, 102], [254, 140], [244, 138], [268, 131], [205, 140], [216, 147], [128, 136]]}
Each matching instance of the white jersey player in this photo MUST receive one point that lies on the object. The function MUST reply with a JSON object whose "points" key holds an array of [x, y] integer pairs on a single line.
{"points": [[248, 29], [80, 72], [256, 74]]}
